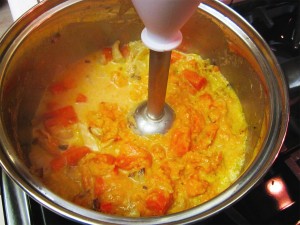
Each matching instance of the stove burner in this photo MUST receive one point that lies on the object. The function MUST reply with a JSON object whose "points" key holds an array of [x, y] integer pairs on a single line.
{"points": [[296, 36], [278, 21], [276, 198], [277, 189], [293, 162], [292, 71]]}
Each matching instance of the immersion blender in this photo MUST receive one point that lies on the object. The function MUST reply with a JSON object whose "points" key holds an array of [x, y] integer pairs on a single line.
{"points": [[163, 20]]}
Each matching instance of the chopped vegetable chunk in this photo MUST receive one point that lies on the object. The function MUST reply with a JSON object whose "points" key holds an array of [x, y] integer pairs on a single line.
{"points": [[69, 157], [85, 148], [195, 79]]}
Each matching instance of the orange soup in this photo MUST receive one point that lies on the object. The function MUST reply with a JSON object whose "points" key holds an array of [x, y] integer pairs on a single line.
{"points": [[85, 149]]}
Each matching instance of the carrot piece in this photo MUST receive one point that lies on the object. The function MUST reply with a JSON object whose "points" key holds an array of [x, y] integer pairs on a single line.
{"points": [[128, 162], [106, 207], [73, 155], [69, 157], [62, 86], [58, 163], [107, 51], [99, 186], [133, 157], [181, 141], [125, 51], [60, 117], [81, 98], [158, 201], [197, 81], [175, 56]]}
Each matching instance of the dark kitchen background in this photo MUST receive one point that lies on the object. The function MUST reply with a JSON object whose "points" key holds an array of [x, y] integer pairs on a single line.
{"points": [[275, 200]]}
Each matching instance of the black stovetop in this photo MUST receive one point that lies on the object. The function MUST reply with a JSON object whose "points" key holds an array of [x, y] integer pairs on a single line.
{"points": [[275, 200]]}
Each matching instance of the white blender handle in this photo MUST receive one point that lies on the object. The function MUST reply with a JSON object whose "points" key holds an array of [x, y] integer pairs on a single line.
{"points": [[163, 20]]}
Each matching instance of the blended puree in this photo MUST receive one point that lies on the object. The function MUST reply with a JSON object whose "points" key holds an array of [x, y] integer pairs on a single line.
{"points": [[85, 149]]}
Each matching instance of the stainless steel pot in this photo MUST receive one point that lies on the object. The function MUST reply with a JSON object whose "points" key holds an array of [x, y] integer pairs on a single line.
{"points": [[55, 33]]}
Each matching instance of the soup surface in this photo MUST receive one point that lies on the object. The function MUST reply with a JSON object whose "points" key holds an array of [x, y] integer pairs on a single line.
{"points": [[85, 149]]}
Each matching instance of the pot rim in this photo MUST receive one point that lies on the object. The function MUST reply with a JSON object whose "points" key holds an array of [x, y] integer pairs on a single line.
{"points": [[263, 161]]}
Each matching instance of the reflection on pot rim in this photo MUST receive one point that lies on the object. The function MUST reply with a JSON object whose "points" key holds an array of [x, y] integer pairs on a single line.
{"points": [[217, 19]]}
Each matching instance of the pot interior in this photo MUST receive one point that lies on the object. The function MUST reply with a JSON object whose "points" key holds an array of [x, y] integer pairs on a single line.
{"points": [[70, 30]]}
